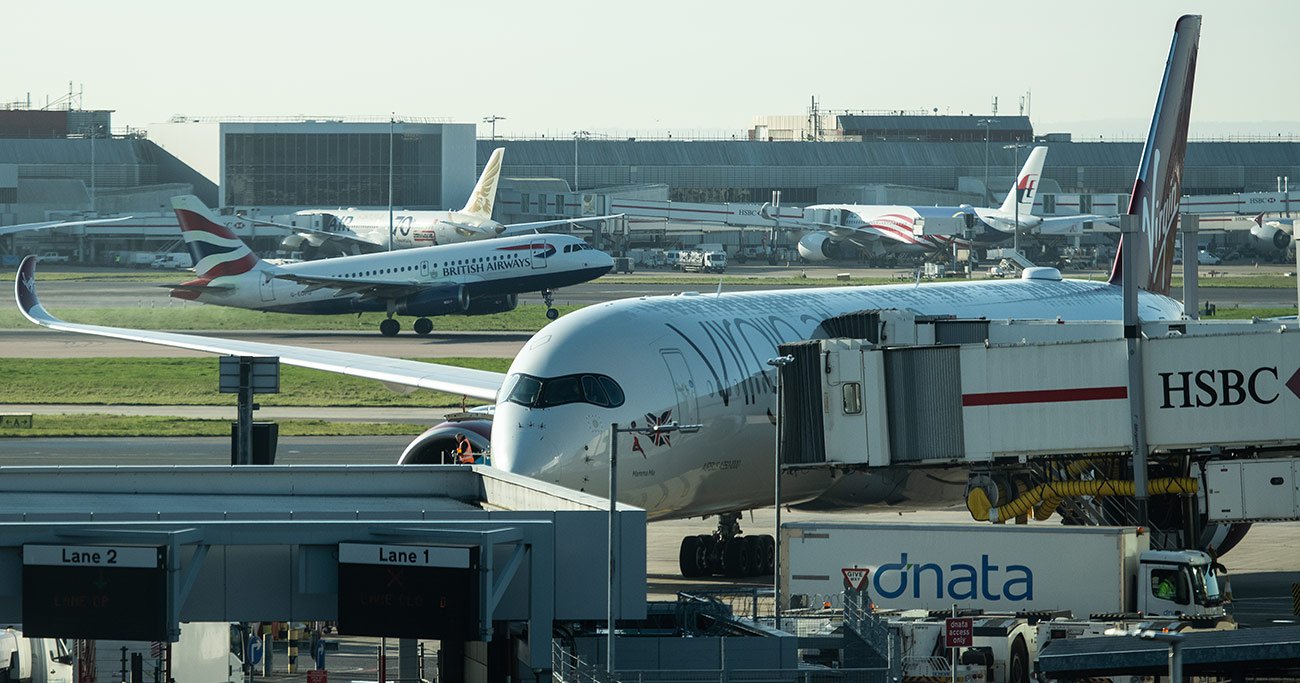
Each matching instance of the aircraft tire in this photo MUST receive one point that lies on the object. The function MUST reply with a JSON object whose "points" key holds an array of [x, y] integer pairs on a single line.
{"points": [[422, 326], [737, 559], [552, 314], [692, 557], [756, 546], [390, 327]]}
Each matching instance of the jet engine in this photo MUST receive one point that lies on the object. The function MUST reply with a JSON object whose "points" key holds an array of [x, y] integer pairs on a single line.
{"points": [[1270, 232], [435, 445], [817, 246], [484, 305], [436, 301]]}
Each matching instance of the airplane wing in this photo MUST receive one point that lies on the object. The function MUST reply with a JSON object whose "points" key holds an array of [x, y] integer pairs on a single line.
{"points": [[324, 234], [518, 228], [394, 371], [1071, 225], [46, 225], [366, 288]]}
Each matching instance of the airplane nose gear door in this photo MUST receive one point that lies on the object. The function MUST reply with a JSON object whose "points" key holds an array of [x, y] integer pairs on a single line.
{"points": [[688, 411]]}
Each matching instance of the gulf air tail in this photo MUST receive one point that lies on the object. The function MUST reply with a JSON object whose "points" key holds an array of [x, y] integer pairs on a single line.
{"points": [[216, 250], [1158, 187], [1026, 187], [485, 191]]}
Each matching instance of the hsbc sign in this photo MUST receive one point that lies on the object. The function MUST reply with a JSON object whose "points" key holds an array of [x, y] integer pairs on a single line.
{"points": [[1222, 387]]}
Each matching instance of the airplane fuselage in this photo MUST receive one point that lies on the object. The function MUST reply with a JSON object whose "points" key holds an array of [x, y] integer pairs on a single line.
{"points": [[702, 359], [484, 269], [894, 224], [414, 228]]}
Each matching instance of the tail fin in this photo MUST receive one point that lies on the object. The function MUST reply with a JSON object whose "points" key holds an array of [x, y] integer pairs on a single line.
{"points": [[1026, 184], [215, 248], [485, 192], [1158, 188]]}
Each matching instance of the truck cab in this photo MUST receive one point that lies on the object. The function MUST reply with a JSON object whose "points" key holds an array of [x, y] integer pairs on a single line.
{"points": [[33, 660], [1179, 583]]}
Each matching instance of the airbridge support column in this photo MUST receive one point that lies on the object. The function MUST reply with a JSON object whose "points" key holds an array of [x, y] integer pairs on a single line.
{"points": [[1190, 226], [1135, 274]]}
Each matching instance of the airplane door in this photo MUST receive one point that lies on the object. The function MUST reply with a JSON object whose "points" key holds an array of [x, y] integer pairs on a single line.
{"points": [[538, 250], [424, 269], [688, 411], [267, 287]]}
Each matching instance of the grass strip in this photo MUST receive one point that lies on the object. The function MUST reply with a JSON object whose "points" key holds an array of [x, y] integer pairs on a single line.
{"points": [[96, 424], [193, 381]]}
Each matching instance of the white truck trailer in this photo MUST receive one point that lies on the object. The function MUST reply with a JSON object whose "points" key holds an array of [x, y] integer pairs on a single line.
{"points": [[1000, 569], [703, 261], [33, 660]]}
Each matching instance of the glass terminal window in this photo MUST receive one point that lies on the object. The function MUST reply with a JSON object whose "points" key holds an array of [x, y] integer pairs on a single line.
{"points": [[539, 392]]}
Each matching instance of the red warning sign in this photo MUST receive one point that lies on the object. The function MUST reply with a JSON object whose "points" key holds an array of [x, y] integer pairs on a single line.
{"points": [[856, 577], [959, 632]]}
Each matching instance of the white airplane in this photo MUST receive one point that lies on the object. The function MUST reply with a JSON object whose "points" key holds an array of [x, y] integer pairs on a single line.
{"points": [[1276, 231], [890, 228], [702, 359], [47, 225], [467, 279], [368, 230]]}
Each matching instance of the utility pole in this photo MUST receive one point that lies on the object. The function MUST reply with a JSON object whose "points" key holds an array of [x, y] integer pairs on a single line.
{"points": [[577, 135], [392, 120], [986, 123]]}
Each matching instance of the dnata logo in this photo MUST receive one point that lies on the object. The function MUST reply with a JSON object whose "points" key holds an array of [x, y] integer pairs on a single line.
{"points": [[956, 582]]}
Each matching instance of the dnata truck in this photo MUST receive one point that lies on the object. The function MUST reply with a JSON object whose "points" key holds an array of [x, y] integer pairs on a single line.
{"points": [[1085, 571], [33, 660], [703, 261]]}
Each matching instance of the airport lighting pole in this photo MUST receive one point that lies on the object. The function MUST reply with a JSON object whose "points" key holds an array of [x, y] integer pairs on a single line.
{"points": [[779, 362], [391, 121], [612, 588], [986, 123], [492, 119], [577, 135], [1015, 188]]}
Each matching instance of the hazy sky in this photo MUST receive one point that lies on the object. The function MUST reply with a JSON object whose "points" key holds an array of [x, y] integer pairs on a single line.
{"points": [[559, 65]]}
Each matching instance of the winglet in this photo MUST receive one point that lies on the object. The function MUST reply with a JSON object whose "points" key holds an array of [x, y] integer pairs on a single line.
{"points": [[1158, 187], [25, 293]]}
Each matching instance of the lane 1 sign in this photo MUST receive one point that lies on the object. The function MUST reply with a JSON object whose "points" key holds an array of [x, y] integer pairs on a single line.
{"points": [[958, 632]]}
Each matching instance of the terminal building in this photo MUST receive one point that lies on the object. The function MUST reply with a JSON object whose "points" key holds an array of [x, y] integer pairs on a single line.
{"points": [[57, 164]]}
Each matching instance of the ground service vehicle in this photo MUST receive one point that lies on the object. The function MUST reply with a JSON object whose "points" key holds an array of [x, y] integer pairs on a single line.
{"points": [[33, 660], [54, 257], [1001, 569], [172, 261], [703, 262]]}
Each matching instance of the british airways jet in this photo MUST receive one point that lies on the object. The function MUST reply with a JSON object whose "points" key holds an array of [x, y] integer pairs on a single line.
{"points": [[701, 359], [474, 278]]}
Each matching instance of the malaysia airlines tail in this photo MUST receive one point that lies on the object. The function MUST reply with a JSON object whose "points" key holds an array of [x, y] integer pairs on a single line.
{"points": [[484, 195], [216, 250], [1026, 184], [1158, 188]]}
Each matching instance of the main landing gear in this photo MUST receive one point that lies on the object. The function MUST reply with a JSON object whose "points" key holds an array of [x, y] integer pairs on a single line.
{"points": [[389, 327], [548, 297], [726, 552], [422, 326]]}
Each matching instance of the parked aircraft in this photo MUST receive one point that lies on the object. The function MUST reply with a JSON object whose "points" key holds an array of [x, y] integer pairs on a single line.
{"points": [[467, 279], [1276, 231], [891, 228], [702, 359], [365, 230]]}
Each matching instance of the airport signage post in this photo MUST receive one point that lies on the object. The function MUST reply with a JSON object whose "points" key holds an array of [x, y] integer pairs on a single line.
{"points": [[96, 592], [247, 376], [409, 591]]}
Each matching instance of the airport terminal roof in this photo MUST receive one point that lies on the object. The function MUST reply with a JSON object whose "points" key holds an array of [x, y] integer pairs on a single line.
{"points": [[559, 152], [73, 151]]}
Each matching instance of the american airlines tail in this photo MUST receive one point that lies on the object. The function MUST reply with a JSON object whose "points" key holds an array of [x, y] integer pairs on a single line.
{"points": [[216, 250], [485, 192], [1026, 184], [1158, 187]]}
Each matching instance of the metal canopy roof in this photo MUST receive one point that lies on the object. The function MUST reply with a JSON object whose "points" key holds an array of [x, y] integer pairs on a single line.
{"points": [[1257, 650]]}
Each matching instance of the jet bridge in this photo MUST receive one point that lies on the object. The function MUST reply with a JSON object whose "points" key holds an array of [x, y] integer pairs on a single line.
{"points": [[468, 555], [892, 389]]}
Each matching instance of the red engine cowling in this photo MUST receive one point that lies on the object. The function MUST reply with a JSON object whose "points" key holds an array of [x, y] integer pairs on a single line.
{"points": [[437, 444]]}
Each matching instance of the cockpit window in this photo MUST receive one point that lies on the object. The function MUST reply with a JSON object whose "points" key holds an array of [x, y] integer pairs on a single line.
{"points": [[537, 392]]}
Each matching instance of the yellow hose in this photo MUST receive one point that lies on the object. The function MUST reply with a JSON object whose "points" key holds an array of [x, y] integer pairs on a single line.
{"points": [[1044, 510], [981, 509]]}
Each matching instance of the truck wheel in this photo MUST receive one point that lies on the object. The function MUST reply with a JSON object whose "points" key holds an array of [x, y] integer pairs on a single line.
{"points": [[1018, 666]]}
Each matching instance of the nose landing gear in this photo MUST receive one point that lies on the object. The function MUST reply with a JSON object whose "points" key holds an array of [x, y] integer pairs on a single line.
{"points": [[548, 297], [726, 552]]}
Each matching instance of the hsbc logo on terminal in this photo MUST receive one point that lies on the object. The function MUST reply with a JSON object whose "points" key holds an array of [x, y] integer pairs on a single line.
{"points": [[1224, 387]]}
